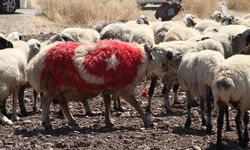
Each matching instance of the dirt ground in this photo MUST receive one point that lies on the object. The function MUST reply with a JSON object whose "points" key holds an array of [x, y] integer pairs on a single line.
{"points": [[128, 133]]}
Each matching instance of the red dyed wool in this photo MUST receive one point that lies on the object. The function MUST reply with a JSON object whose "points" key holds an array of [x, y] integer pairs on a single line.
{"points": [[63, 74]]}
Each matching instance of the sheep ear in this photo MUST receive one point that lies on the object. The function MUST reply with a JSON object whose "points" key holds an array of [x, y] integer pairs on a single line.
{"points": [[169, 56], [148, 49]]}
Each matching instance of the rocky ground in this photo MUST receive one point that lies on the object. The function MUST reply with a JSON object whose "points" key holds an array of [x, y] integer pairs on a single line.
{"points": [[128, 133]]}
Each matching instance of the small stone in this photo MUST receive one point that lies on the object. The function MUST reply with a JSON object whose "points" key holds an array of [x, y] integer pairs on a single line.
{"points": [[195, 147]]}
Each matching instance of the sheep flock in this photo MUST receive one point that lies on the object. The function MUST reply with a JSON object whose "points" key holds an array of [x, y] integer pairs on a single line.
{"points": [[205, 58]]}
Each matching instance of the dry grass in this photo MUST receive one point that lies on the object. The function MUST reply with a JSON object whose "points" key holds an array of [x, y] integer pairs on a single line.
{"points": [[238, 5], [84, 12], [88, 11], [200, 8]]}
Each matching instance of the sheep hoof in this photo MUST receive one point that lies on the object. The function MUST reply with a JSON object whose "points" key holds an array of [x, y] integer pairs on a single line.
{"points": [[74, 125], [169, 111], [148, 110], [47, 126], [120, 109], [243, 144], [209, 129], [219, 146], [34, 109], [90, 113], [228, 129], [110, 125], [194, 103], [149, 125], [188, 123]]}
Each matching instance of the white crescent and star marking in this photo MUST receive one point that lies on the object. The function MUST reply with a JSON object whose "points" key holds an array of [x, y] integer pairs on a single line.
{"points": [[112, 62]]}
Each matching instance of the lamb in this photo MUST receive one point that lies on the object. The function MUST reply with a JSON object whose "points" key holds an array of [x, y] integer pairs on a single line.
{"points": [[13, 76], [95, 67], [230, 87], [83, 34], [195, 75]]}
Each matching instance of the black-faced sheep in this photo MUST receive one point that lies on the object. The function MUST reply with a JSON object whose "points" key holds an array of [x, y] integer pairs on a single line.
{"points": [[94, 67]]}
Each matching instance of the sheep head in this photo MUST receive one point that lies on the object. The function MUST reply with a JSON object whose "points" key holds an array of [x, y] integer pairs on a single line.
{"points": [[241, 42], [34, 48], [4, 43]]}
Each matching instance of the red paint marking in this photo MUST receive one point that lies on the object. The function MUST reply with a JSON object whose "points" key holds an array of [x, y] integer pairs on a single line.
{"points": [[62, 72]]}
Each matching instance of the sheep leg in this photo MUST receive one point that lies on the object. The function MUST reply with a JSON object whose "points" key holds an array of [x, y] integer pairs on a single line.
{"points": [[3, 118], [220, 118], [107, 103], [35, 94], [88, 111], [188, 120], [21, 101], [46, 101], [168, 87], [3, 108], [238, 122], [228, 128], [246, 121], [175, 91], [150, 93], [66, 113], [136, 104], [117, 104], [14, 105], [208, 100], [202, 111]]}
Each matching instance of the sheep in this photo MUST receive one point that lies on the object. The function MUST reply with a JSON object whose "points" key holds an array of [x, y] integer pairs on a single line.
{"points": [[83, 34], [204, 24], [170, 78], [180, 34], [117, 31], [100, 25], [13, 73], [161, 29], [230, 87], [15, 36], [95, 67], [141, 20], [233, 43], [63, 37], [195, 75], [128, 33], [240, 21], [216, 16], [228, 20]]}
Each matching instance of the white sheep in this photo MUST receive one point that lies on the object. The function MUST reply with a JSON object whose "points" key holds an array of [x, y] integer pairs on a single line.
{"points": [[170, 78], [83, 34], [195, 75], [15, 36], [91, 69], [13, 72], [231, 87], [201, 25], [178, 33], [100, 25], [217, 16], [128, 33]]}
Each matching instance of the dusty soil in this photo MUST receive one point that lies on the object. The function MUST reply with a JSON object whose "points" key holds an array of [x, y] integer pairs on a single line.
{"points": [[128, 133]]}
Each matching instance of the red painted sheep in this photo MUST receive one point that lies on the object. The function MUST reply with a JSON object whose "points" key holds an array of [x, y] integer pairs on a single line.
{"points": [[78, 71]]}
